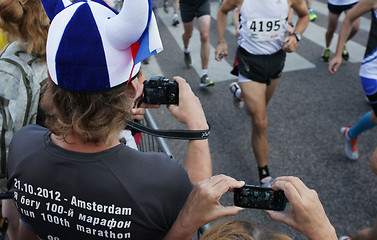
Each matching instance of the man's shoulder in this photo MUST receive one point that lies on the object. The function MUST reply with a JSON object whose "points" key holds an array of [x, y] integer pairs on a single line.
{"points": [[33, 129], [29, 133], [152, 165], [154, 158], [28, 140]]}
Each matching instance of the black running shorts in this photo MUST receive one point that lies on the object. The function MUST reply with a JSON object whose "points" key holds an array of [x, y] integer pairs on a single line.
{"points": [[259, 68], [338, 9], [191, 9]]}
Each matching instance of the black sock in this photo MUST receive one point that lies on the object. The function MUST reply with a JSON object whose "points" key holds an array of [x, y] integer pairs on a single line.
{"points": [[263, 172]]}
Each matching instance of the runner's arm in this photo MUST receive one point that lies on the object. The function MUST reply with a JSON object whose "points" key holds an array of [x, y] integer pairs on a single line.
{"points": [[359, 9], [190, 112], [222, 20], [303, 20], [301, 10]]}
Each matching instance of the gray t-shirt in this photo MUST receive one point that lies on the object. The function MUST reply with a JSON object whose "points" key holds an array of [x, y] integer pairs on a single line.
{"points": [[118, 193]]}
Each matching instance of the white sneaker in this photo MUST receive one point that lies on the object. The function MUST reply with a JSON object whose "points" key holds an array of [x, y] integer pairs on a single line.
{"points": [[350, 146], [175, 21], [345, 238], [234, 88], [267, 181]]}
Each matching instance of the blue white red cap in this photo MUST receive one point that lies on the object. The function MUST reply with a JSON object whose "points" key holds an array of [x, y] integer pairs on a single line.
{"points": [[91, 47]]}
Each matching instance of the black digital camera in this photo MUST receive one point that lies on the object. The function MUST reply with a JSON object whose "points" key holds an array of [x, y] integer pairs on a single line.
{"points": [[160, 90]]}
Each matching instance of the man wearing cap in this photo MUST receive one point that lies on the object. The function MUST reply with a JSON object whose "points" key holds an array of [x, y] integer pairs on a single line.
{"points": [[74, 179]]}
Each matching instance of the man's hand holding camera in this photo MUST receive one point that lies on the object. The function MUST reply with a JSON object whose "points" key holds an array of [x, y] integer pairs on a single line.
{"points": [[307, 214], [203, 206], [180, 100], [189, 111]]}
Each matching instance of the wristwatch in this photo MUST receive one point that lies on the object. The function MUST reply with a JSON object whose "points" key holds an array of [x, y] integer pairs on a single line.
{"points": [[298, 36]]}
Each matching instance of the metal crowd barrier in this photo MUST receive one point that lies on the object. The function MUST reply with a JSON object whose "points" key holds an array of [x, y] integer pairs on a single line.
{"points": [[150, 143]]}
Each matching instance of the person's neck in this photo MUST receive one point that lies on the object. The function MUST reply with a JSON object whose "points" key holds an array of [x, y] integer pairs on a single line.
{"points": [[76, 144]]}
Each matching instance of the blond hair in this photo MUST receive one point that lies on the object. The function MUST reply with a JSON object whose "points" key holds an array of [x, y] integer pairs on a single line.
{"points": [[94, 117], [241, 230], [26, 21]]}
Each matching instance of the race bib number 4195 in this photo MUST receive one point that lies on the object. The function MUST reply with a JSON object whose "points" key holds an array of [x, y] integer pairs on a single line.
{"points": [[264, 29]]}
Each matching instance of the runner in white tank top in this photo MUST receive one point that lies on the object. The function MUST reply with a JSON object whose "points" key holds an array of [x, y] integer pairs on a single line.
{"points": [[260, 59], [263, 26]]}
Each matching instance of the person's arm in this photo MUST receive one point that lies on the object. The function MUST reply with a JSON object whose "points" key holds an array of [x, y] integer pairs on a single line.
{"points": [[307, 214], [303, 20], [366, 233], [190, 112], [290, 21], [359, 9], [236, 20], [203, 206], [373, 161], [198, 160], [222, 20]]}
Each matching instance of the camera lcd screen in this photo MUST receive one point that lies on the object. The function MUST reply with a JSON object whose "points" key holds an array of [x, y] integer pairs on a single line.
{"points": [[259, 197]]}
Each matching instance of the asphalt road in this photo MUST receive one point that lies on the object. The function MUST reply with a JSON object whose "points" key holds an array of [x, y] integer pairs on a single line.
{"points": [[305, 115]]}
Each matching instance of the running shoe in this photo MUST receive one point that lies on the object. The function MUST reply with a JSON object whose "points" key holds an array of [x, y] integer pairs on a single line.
{"points": [[175, 22], [205, 81], [345, 54], [188, 60], [325, 55], [166, 9], [350, 146], [267, 181], [312, 15], [236, 90], [345, 238]]}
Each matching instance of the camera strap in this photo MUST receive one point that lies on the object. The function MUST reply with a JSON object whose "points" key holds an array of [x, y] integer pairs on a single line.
{"points": [[172, 134]]}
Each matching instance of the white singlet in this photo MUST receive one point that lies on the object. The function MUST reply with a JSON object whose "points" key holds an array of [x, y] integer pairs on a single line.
{"points": [[342, 2], [368, 68], [263, 26]]}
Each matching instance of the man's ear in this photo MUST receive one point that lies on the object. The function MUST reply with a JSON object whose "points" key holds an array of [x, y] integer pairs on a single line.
{"points": [[135, 88]]}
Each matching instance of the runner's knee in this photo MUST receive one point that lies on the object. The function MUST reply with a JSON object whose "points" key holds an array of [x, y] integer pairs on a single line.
{"points": [[260, 125], [186, 35], [204, 37]]}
